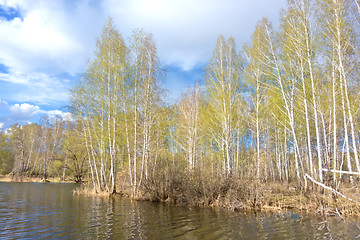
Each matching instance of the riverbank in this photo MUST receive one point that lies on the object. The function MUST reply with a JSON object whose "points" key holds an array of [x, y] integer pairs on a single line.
{"points": [[272, 197], [248, 195], [231, 194], [235, 194], [278, 197], [8, 178]]}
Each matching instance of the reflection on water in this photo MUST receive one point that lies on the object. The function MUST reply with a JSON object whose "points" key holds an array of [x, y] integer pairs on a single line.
{"points": [[45, 210]]}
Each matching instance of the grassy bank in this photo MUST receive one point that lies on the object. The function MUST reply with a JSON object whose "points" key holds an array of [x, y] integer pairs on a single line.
{"points": [[14, 178], [235, 194], [181, 187]]}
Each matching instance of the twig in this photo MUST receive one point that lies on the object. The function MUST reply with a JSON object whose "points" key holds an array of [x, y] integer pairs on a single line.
{"points": [[338, 213]]}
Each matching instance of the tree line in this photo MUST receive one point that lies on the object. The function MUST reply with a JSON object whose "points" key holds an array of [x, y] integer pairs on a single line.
{"points": [[51, 148], [284, 108]]}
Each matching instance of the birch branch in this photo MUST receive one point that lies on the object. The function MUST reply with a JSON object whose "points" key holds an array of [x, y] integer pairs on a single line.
{"points": [[329, 188], [340, 171]]}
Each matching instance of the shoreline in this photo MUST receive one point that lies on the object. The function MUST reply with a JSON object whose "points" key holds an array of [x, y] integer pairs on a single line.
{"points": [[315, 204], [25, 179], [269, 197]]}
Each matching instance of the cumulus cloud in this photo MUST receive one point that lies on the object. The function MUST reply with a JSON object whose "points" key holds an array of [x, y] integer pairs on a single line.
{"points": [[66, 116], [26, 110], [23, 110], [24, 113], [1, 126], [43, 42], [18, 113], [60, 35], [50, 36]]}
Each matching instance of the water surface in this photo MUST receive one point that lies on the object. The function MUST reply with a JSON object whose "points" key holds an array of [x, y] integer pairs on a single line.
{"points": [[51, 211]]}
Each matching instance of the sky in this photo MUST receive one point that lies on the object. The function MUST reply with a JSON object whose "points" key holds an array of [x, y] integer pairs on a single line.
{"points": [[45, 45]]}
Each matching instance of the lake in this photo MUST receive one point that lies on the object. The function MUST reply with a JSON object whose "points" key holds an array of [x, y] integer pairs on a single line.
{"points": [[51, 211]]}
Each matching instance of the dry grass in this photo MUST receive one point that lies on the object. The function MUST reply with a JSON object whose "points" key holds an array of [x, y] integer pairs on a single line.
{"points": [[248, 195], [235, 194], [15, 178], [89, 191], [276, 197]]}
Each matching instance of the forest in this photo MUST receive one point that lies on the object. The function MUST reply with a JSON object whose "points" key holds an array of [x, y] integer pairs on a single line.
{"points": [[283, 109]]}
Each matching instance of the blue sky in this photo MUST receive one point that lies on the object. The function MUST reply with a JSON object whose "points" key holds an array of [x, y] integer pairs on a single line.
{"points": [[45, 45]]}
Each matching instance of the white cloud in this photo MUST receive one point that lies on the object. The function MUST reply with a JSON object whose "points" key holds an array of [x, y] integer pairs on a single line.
{"points": [[60, 35], [20, 114], [29, 79], [36, 87], [186, 30], [3, 103], [54, 113], [66, 116], [51, 39], [43, 39], [23, 110], [1, 126], [50, 36], [24, 113]]}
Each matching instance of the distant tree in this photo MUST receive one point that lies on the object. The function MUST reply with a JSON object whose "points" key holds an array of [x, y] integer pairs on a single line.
{"points": [[74, 153], [6, 159], [25, 144], [188, 124]]}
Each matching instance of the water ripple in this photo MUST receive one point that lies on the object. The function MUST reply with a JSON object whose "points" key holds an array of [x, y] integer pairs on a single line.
{"points": [[50, 211]]}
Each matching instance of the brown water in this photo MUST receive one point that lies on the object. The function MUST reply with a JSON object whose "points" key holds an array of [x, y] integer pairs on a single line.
{"points": [[51, 211]]}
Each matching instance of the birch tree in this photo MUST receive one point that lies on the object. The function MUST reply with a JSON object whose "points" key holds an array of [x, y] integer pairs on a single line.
{"points": [[146, 78], [338, 34], [257, 78], [223, 79], [188, 124], [97, 100], [299, 52]]}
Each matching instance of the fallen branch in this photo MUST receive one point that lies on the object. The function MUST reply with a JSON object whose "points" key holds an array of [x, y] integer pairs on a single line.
{"points": [[340, 171], [329, 188]]}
